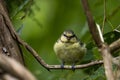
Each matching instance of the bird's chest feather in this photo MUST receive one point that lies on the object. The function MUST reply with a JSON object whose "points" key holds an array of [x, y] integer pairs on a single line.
{"points": [[69, 50]]}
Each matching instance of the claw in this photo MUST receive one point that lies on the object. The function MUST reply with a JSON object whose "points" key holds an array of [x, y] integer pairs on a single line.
{"points": [[73, 67], [62, 65]]}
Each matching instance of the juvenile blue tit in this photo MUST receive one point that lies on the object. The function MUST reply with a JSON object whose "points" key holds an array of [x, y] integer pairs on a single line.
{"points": [[69, 49]]}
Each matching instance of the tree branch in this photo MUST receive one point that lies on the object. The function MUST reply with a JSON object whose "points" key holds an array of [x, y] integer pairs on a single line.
{"points": [[7, 41], [76, 66], [15, 68]]}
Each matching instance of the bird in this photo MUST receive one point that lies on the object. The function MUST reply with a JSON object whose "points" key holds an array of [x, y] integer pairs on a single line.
{"points": [[69, 49]]}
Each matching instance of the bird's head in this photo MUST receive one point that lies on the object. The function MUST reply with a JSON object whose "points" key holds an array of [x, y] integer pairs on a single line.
{"points": [[68, 36]]}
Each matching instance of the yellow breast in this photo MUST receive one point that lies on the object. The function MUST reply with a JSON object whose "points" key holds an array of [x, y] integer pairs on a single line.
{"points": [[69, 52]]}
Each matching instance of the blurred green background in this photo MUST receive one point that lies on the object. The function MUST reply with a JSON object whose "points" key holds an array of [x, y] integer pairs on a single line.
{"points": [[43, 22]]}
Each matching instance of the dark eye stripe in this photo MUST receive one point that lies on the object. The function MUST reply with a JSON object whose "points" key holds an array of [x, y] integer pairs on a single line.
{"points": [[69, 37]]}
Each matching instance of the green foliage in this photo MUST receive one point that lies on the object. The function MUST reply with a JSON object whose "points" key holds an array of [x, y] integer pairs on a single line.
{"points": [[111, 36], [96, 75], [18, 9], [47, 19]]}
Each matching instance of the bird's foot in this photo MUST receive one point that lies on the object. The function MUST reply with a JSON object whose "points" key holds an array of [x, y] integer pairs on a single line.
{"points": [[62, 65], [73, 67]]}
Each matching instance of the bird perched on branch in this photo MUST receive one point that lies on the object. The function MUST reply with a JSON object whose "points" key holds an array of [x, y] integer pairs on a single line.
{"points": [[69, 49]]}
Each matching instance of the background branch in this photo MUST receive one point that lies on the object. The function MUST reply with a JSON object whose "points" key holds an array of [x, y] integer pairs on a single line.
{"points": [[115, 46], [92, 25], [104, 49]]}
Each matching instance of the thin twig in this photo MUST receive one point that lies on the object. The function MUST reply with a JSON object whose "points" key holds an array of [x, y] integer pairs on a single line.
{"points": [[33, 52], [104, 18], [100, 33]]}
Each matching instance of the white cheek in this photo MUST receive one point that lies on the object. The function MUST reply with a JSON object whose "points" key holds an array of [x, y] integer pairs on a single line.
{"points": [[64, 39], [73, 40]]}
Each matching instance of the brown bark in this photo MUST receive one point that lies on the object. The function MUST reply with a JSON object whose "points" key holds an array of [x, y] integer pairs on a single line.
{"points": [[8, 44]]}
